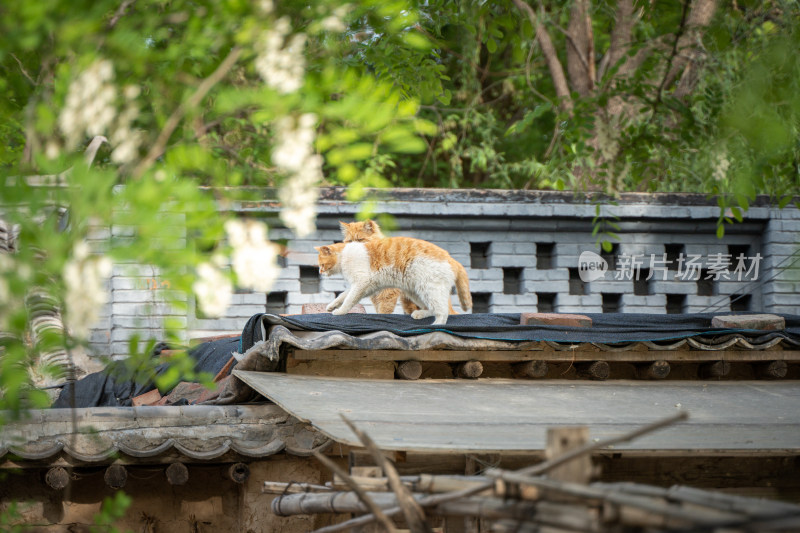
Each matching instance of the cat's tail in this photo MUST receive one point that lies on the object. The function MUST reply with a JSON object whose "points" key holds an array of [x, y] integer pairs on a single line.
{"points": [[462, 285]]}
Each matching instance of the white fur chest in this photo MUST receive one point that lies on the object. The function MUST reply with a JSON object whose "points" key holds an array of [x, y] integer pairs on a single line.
{"points": [[355, 262]]}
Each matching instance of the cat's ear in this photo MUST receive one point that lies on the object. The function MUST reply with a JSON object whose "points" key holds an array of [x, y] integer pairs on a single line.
{"points": [[323, 250], [344, 226], [371, 226]]}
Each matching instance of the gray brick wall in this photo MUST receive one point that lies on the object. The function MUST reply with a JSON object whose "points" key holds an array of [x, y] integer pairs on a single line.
{"points": [[516, 224]]}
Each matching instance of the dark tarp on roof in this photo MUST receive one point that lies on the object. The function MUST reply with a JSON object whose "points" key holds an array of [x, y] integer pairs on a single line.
{"points": [[384, 331], [606, 328], [107, 388]]}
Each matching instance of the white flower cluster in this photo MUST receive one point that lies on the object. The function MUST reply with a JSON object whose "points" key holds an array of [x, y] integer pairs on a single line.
{"points": [[294, 153], [280, 60], [126, 140], [89, 108], [721, 166], [85, 278], [334, 22], [254, 257], [213, 290]]}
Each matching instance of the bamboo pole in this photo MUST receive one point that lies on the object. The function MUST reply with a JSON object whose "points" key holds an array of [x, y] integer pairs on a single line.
{"points": [[540, 468], [412, 511], [651, 505], [361, 493], [279, 487], [573, 517]]}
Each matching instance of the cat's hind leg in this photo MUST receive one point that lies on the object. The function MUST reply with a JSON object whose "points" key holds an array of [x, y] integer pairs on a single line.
{"points": [[435, 304]]}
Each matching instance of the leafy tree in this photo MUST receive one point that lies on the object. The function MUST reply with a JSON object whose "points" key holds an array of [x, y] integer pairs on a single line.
{"points": [[195, 99], [613, 96], [186, 101]]}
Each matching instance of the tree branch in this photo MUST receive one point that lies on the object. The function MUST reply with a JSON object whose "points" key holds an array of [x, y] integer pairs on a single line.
{"points": [[699, 17], [172, 122], [120, 12], [22, 69], [621, 35], [580, 60], [550, 56]]}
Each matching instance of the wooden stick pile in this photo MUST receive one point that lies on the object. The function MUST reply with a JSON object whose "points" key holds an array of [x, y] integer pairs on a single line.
{"points": [[532, 499]]}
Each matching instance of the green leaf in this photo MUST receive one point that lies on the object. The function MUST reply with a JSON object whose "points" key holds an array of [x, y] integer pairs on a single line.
{"points": [[416, 40], [491, 45], [720, 231]]}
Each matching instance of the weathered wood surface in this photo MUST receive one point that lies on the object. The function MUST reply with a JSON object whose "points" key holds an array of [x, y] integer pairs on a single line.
{"points": [[654, 370], [469, 370], [750, 417], [594, 370], [408, 370], [581, 354], [530, 369]]}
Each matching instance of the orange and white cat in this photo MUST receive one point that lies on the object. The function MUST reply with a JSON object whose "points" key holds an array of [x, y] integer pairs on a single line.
{"points": [[386, 300], [423, 271]]}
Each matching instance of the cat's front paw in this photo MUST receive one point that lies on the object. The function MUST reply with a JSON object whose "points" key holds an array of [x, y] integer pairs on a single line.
{"points": [[420, 313], [331, 306], [339, 311]]}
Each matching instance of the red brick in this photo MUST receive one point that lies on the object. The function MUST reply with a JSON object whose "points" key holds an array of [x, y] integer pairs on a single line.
{"points": [[555, 319], [763, 322], [311, 309], [148, 398]]}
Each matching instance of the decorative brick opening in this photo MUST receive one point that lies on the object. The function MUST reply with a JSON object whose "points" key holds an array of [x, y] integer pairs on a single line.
{"points": [[545, 252], [641, 285], [276, 303], [611, 257], [481, 302], [674, 251], [737, 250], [512, 280], [309, 279], [612, 302], [547, 302], [706, 287], [676, 303], [577, 287], [740, 302], [479, 254]]}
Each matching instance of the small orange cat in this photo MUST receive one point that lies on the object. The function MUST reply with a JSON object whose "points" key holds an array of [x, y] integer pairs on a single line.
{"points": [[423, 271], [386, 300]]}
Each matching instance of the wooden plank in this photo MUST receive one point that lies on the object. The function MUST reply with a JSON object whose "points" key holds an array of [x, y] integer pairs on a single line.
{"points": [[507, 415], [362, 369], [579, 355]]}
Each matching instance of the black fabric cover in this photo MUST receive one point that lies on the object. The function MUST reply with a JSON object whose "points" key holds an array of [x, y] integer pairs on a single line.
{"points": [[105, 389], [606, 328]]}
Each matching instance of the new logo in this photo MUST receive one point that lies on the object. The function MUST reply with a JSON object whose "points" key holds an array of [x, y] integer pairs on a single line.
{"points": [[591, 266]]}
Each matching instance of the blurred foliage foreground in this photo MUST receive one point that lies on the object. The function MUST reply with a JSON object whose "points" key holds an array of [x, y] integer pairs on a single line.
{"points": [[182, 102]]}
